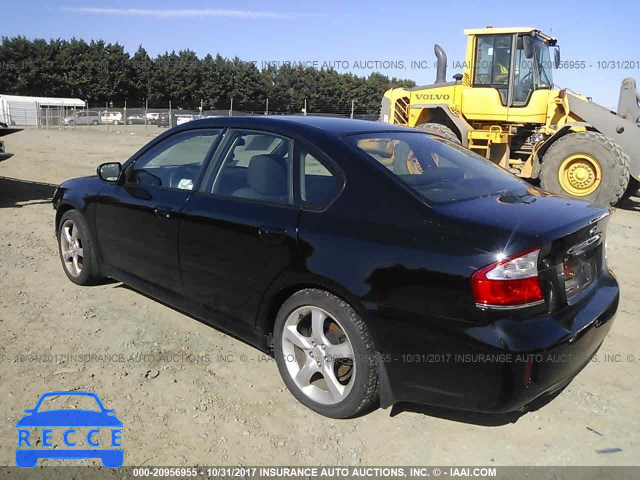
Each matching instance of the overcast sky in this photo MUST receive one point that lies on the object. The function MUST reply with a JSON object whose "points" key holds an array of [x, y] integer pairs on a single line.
{"points": [[393, 33]]}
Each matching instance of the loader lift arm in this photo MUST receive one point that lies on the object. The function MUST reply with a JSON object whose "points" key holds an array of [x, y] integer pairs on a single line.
{"points": [[629, 102]]}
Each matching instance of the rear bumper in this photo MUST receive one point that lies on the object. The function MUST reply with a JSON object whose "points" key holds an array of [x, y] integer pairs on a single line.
{"points": [[496, 368]]}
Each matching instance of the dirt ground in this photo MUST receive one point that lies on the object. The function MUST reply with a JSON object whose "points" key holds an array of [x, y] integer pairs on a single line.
{"points": [[189, 395]]}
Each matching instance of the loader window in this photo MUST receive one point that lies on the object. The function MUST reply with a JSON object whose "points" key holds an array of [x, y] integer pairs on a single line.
{"points": [[522, 78], [544, 63], [493, 60]]}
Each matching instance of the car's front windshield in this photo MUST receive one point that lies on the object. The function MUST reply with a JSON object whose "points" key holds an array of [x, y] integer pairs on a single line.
{"points": [[65, 402], [438, 170], [543, 59]]}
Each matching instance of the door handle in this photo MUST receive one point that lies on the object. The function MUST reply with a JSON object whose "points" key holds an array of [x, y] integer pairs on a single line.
{"points": [[272, 234], [163, 212]]}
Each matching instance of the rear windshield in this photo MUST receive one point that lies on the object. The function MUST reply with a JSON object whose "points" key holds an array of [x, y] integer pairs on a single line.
{"points": [[437, 169]]}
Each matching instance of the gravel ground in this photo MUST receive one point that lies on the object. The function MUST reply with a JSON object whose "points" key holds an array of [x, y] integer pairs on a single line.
{"points": [[188, 394]]}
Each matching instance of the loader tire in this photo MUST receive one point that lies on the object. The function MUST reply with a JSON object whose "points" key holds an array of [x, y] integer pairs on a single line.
{"points": [[588, 166], [406, 163], [440, 130]]}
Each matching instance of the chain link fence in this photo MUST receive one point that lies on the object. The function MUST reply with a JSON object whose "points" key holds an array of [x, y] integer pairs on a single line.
{"points": [[143, 118]]}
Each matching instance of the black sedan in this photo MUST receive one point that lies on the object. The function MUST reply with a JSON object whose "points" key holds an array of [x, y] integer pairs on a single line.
{"points": [[137, 119], [166, 120], [378, 264]]}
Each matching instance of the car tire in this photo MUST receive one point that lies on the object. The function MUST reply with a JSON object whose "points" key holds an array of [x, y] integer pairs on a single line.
{"points": [[71, 123], [130, 122], [332, 369], [76, 249], [116, 122], [595, 152]]}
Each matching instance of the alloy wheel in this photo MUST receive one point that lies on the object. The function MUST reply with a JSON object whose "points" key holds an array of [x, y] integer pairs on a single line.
{"points": [[71, 248], [318, 355]]}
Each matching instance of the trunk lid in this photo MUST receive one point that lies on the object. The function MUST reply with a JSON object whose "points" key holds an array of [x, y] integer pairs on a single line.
{"points": [[571, 234]]}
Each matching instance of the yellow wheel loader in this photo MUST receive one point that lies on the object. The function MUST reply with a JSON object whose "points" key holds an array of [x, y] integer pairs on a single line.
{"points": [[505, 107]]}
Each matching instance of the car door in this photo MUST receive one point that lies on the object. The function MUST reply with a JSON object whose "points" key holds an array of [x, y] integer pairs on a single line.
{"points": [[238, 231], [137, 222]]}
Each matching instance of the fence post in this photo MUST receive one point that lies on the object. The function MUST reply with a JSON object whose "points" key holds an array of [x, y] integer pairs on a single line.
{"points": [[305, 107], [170, 116], [266, 112], [352, 105], [231, 108], [125, 116], [200, 108], [106, 105], [146, 107]]}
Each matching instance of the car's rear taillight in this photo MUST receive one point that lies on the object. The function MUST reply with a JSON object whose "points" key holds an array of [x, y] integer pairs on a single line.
{"points": [[509, 283]]}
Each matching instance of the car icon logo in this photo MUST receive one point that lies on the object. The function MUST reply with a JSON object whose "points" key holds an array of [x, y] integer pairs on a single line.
{"points": [[94, 433]]}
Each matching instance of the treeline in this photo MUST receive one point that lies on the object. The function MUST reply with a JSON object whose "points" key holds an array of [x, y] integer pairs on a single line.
{"points": [[105, 73]]}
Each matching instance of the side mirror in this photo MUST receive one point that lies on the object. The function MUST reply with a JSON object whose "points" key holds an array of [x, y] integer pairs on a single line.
{"points": [[110, 172], [527, 45], [556, 57]]}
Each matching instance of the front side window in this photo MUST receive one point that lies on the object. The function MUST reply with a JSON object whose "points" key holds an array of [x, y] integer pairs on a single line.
{"points": [[439, 171], [255, 166], [175, 162]]}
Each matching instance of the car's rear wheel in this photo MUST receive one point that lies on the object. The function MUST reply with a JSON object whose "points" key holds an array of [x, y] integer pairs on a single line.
{"points": [[325, 354], [116, 122], [75, 246], [95, 122], [71, 123], [130, 122]]}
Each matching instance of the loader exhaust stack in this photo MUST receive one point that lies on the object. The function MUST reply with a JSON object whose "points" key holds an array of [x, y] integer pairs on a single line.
{"points": [[441, 72]]}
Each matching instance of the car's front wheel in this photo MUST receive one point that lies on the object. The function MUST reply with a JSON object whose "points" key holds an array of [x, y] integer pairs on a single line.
{"points": [[75, 246], [325, 354]]}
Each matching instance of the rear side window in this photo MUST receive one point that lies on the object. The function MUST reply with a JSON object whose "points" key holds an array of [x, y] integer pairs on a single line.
{"points": [[438, 170], [318, 185]]}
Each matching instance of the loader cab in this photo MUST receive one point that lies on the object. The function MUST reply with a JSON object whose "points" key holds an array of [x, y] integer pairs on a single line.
{"points": [[515, 63]]}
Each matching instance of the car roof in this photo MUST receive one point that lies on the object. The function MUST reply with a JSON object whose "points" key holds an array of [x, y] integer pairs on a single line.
{"points": [[301, 124]]}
